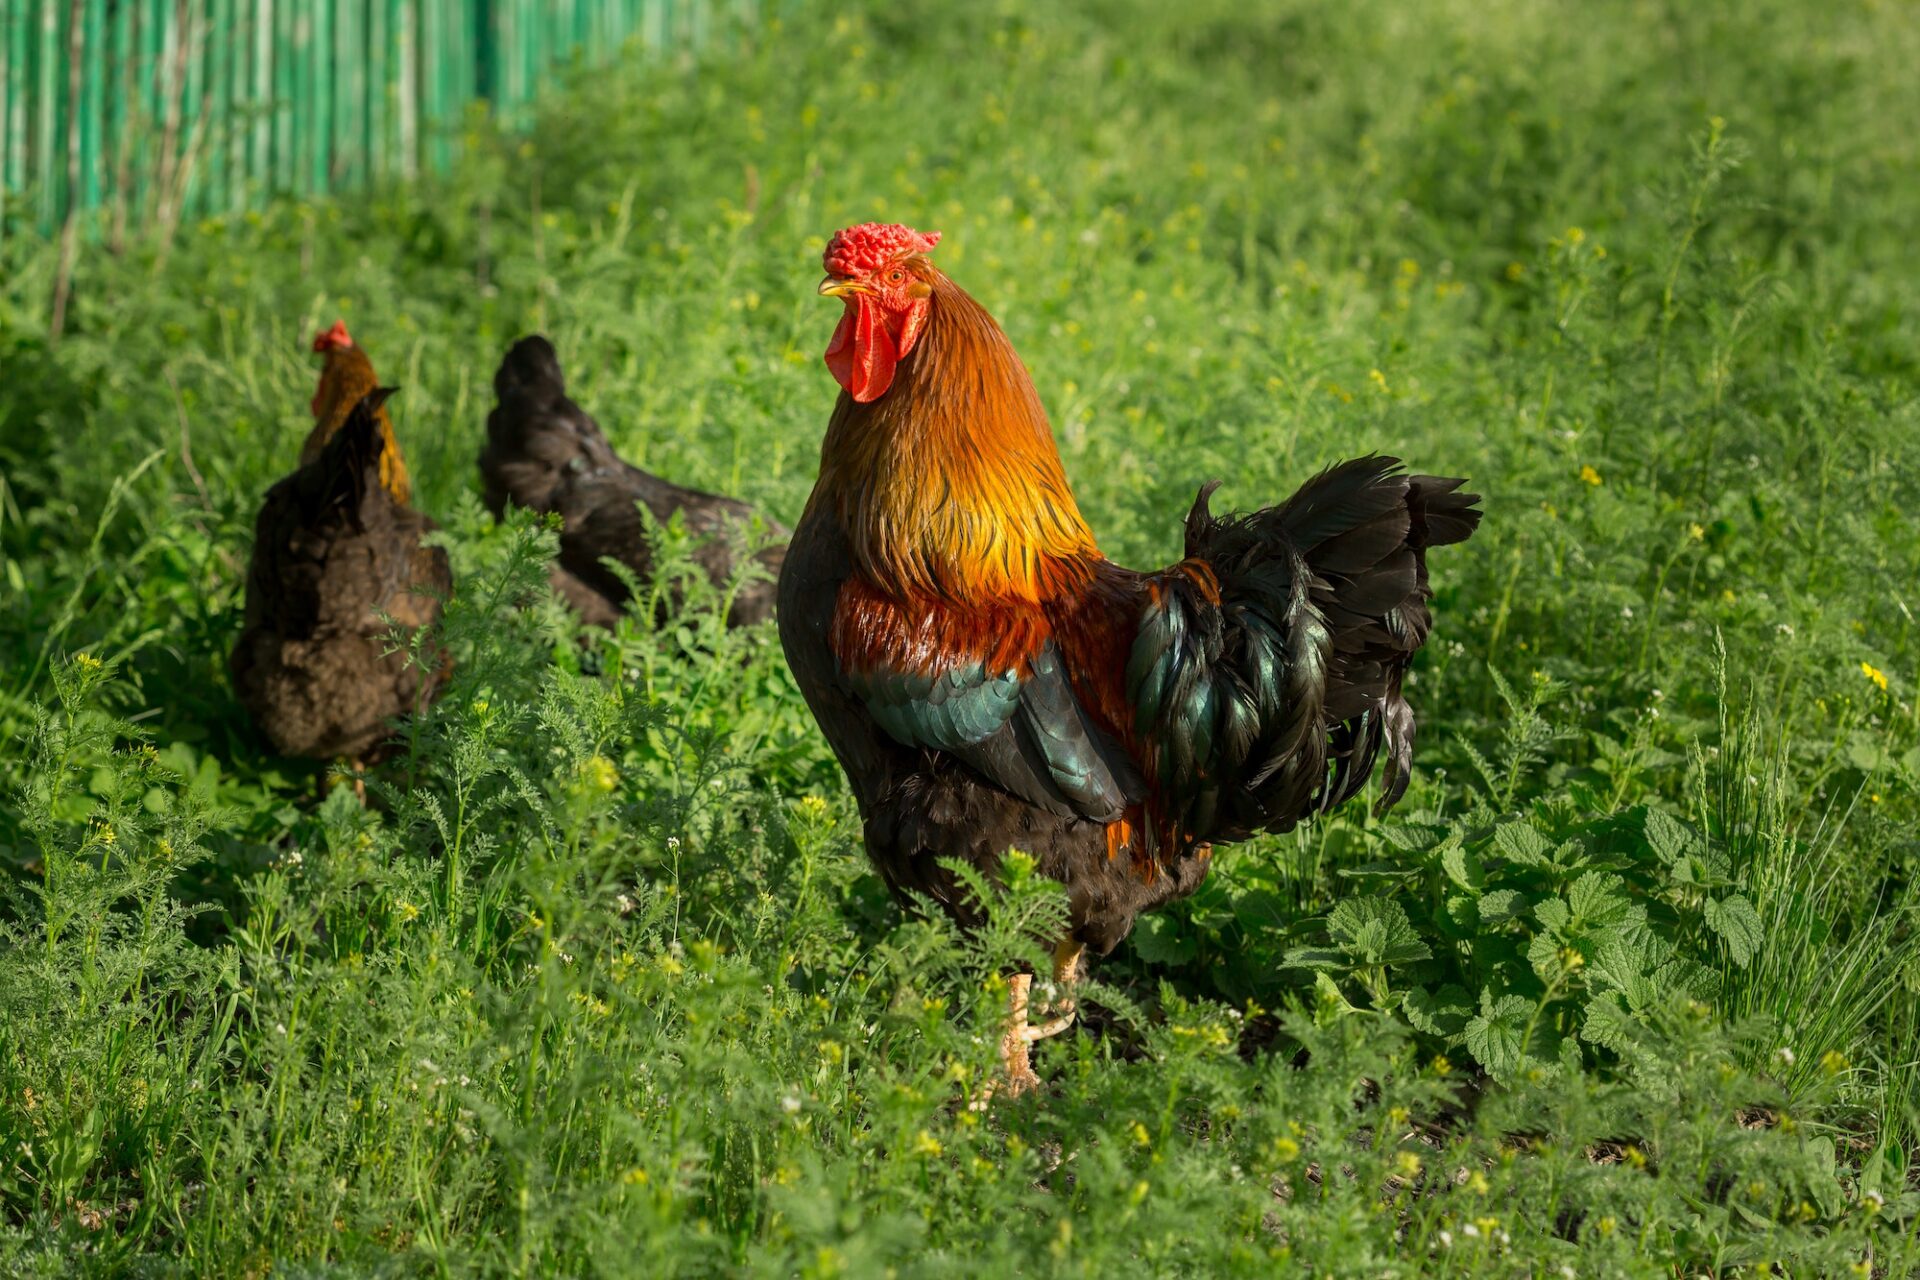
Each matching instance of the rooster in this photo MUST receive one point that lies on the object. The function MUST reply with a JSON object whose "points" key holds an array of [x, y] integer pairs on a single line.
{"points": [[338, 561], [546, 454], [990, 681]]}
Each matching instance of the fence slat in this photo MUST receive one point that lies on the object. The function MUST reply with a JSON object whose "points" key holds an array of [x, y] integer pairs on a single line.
{"points": [[47, 111], [92, 104]]}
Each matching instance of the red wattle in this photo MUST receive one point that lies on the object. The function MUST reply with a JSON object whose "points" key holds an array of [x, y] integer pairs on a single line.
{"points": [[862, 355]]}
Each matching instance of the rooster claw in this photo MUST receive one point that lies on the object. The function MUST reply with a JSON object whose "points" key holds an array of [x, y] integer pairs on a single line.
{"points": [[1053, 1026]]}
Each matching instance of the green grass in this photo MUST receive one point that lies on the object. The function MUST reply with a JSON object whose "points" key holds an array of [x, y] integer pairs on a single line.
{"points": [[1629, 985]]}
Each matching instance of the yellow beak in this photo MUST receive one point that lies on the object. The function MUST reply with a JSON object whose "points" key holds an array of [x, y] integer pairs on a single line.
{"points": [[835, 287]]}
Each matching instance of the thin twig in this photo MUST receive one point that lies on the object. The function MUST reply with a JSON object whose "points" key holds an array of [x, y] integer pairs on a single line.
{"points": [[186, 444], [197, 140], [176, 161], [70, 225]]}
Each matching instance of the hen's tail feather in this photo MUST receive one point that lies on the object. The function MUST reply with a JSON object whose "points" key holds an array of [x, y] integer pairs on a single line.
{"points": [[531, 367], [350, 463], [1266, 676]]}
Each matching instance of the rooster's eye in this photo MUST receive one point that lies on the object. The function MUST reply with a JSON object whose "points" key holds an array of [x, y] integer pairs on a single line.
{"points": [[895, 276]]}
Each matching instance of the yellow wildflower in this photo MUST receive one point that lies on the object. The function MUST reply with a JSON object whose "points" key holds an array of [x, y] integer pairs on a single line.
{"points": [[1874, 674], [1589, 476], [600, 773]]}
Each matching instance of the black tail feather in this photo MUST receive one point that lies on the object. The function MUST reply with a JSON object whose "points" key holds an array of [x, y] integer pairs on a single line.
{"points": [[531, 368], [538, 439], [1276, 702], [349, 466]]}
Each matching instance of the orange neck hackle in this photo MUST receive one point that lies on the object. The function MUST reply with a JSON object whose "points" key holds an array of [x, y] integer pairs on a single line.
{"points": [[345, 377], [949, 484]]}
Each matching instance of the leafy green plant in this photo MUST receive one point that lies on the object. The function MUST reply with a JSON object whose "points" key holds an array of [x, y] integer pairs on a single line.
{"points": [[599, 981]]}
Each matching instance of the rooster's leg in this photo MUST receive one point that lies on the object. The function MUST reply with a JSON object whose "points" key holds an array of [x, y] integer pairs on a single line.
{"points": [[1014, 1062], [1020, 1033]]}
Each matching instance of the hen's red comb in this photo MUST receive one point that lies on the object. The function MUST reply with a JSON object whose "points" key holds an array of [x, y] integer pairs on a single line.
{"points": [[872, 245], [334, 339]]}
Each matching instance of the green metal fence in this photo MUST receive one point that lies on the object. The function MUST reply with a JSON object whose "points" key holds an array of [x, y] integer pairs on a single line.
{"points": [[156, 110]]}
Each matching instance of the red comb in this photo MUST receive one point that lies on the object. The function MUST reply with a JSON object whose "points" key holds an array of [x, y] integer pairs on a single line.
{"points": [[872, 245], [334, 339]]}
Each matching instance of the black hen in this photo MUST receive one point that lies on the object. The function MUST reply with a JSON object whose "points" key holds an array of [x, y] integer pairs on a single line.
{"points": [[547, 454]]}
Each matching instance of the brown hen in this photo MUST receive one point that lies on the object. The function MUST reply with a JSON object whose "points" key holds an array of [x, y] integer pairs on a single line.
{"points": [[338, 564]]}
